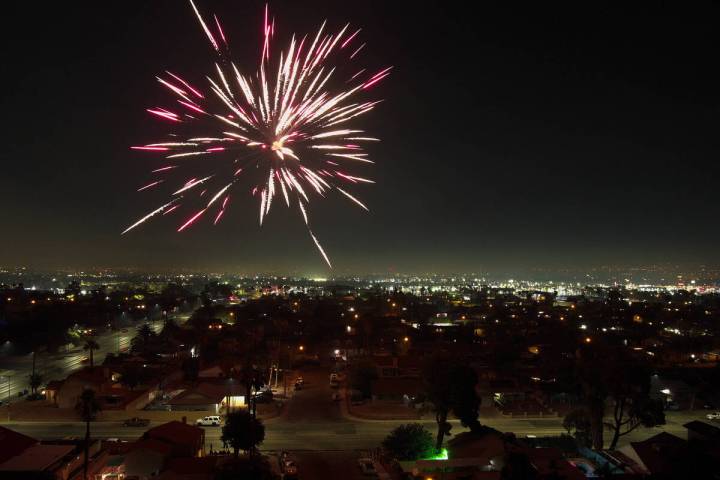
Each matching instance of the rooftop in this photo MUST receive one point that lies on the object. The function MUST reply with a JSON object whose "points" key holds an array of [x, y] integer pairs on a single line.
{"points": [[13, 443], [37, 458]]}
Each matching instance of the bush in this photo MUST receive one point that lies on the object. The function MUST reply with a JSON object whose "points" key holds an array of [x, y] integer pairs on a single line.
{"points": [[409, 442]]}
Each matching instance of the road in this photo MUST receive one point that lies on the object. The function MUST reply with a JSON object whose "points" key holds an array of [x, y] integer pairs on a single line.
{"points": [[15, 370]]}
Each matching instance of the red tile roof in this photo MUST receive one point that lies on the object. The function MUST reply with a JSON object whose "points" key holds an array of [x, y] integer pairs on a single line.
{"points": [[177, 433], [657, 452], [152, 444], [13, 443]]}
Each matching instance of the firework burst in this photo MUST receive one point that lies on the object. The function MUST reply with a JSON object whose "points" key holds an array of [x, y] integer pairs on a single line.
{"points": [[284, 133]]}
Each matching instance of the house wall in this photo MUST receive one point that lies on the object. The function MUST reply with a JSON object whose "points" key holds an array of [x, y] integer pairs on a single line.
{"points": [[70, 391]]}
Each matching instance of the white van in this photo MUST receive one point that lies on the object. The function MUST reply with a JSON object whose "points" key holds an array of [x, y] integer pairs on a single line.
{"points": [[209, 421]]}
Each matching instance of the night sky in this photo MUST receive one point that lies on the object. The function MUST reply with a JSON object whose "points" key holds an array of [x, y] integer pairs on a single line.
{"points": [[513, 138]]}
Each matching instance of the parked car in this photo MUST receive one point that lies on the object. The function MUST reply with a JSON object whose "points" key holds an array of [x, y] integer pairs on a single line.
{"points": [[367, 467], [300, 380], [713, 416], [264, 396], [672, 406], [298, 386], [136, 422], [209, 421]]}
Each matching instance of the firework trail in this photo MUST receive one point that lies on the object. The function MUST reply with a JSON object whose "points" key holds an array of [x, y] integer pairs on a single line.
{"points": [[285, 130]]}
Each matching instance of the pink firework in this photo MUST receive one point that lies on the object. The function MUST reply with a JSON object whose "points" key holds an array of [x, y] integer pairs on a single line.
{"points": [[289, 120]]}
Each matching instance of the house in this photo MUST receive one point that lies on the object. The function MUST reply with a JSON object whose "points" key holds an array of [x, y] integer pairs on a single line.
{"points": [[52, 389], [487, 448], [550, 463], [185, 440], [151, 454], [65, 394], [402, 390], [656, 455], [111, 394], [24, 457], [702, 432], [210, 397], [482, 455], [48, 459], [146, 458], [141, 460]]}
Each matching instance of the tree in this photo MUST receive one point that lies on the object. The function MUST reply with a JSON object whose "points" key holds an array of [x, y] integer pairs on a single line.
{"points": [[409, 442], [449, 384], [577, 424], [242, 431], [361, 377], [91, 345], [629, 388], [133, 375], [34, 379], [191, 368], [590, 371], [170, 329], [88, 408], [250, 378], [613, 374], [144, 339]]}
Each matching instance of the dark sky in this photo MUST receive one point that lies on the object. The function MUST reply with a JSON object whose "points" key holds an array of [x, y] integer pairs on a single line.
{"points": [[513, 138]]}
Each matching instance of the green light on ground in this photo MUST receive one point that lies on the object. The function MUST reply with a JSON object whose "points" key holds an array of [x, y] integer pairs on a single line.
{"points": [[442, 455]]}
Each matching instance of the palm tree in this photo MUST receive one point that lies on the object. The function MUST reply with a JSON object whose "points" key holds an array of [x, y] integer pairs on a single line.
{"points": [[88, 408], [35, 379], [250, 378], [91, 345], [242, 431], [144, 338]]}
